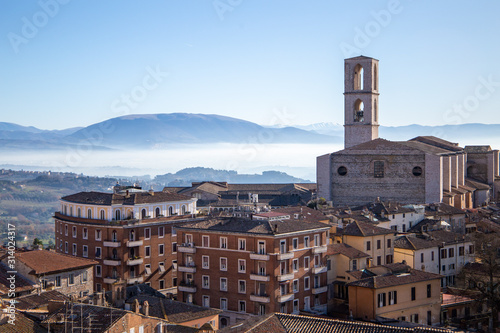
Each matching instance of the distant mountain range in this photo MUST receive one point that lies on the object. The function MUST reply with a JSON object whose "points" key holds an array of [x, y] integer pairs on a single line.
{"points": [[165, 130]]}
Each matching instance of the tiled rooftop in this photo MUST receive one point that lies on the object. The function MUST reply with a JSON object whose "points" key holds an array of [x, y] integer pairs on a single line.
{"points": [[134, 198], [393, 277], [48, 262], [34, 301], [364, 229]]}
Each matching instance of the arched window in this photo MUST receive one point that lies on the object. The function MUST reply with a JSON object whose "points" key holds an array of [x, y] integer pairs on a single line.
{"points": [[143, 213], [103, 214], [79, 212], [89, 213], [170, 211], [113, 236], [358, 77], [183, 209], [71, 211], [118, 215], [65, 210], [157, 212], [359, 111]]}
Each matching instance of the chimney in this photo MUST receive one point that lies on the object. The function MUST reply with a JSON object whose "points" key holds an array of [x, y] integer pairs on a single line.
{"points": [[136, 306], [127, 195], [145, 307], [276, 228]]}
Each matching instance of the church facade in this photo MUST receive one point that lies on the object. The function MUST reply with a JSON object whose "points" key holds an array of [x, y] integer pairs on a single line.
{"points": [[425, 169]]}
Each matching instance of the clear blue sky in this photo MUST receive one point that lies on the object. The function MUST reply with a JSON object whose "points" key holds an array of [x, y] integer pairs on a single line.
{"points": [[245, 59]]}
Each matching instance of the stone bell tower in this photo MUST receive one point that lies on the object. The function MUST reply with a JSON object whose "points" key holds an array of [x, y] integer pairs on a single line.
{"points": [[360, 100]]}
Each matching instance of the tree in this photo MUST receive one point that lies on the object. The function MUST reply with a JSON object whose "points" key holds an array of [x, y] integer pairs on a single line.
{"points": [[483, 276], [37, 243]]}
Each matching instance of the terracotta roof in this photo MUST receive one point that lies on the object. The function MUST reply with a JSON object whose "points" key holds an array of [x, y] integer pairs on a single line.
{"points": [[391, 279], [346, 250], [438, 142], [414, 243], [107, 199], [290, 323], [48, 262], [174, 311], [263, 227], [477, 185], [34, 301], [21, 283], [306, 213], [442, 209], [23, 324], [448, 237], [364, 229]]}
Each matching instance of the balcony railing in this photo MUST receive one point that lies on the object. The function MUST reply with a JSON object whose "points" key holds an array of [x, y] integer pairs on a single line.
{"points": [[259, 256], [320, 290], [111, 243], [286, 298], [319, 249], [260, 277], [134, 243], [284, 256], [260, 298], [110, 280], [285, 277], [186, 248], [134, 280], [112, 262], [319, 269], [189, 268], [187, 287], [133, 262]]}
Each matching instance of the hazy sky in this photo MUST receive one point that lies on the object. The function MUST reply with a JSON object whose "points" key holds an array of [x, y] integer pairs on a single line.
{"points": [[74, 63]]}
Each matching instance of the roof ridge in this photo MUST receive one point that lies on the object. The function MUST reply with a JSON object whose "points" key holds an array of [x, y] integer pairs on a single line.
{"points": [[261, 322], [409, 241]]}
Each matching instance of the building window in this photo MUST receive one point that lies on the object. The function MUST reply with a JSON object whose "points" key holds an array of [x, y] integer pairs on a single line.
{"points": [[295, 243], [307, 303], [432, 255], [58, 281], [242, 306], [283, 248], [368, 246], [317, 240], [74, 232], [414, 318], [378, 169], [242, 265], [147, 233], [295, 264], [205, 241], [388, 259], [161, 266], [443, 254], [421, 257], [103, 216], [389, 241], [242, 286], [295, 286], [162, 284], [461, 251], [85, 251], [85, 233], [306, 241], [66, 247], [262, 247], [98, 252], [98, 234], [205, 282], [223, 303], [205, 262], [161, 249], [147, 269], [71, 279], [306, 283], [295, 305], [147, 251], [306, 262], [74, 249], [66, 230], [451, 252], [429, 291], [206, 301], [242, 244], [413, 293], [79, 212], [393, 297], [223, 264], [342, 170], [379, 260], [161, 232], [223, 242], [223, 284], [262, 309], [89, 213], [381, 300], [98, 270], [471, 249], [379, 244]]}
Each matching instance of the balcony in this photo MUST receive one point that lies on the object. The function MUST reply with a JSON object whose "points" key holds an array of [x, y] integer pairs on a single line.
{"points": [[319, 270], [286, 298], [135, 280], [112, 262], [189, 268], [284, 256], [319, 290], [111, 243], [109, 280], [259, 256], [186, 287], [186, 248], [319, 249], [260, 298], [133, 262], [259, 277], [285, 277], [134, 243]]}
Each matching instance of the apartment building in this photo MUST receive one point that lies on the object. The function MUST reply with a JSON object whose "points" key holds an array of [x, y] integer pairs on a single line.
{"points": [[253, 267], [129, 234]]}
